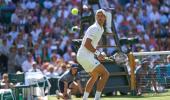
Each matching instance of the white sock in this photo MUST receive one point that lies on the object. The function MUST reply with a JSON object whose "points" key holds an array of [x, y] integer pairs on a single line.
{"points": [[85, 96], [97, 95]]}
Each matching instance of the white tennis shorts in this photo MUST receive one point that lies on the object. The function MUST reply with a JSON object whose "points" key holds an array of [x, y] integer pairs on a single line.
{"points": [[87, 61]]}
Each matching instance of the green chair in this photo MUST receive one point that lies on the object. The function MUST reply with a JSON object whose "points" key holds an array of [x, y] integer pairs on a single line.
{"points": [[18, 79], [6, 94], [54, 85]]}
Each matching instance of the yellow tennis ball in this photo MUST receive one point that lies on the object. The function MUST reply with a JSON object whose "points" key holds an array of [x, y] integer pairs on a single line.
{"points": [[74, 11]]}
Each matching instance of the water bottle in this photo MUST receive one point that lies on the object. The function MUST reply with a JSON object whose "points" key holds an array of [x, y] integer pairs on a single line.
{"points": [[20, 96]]}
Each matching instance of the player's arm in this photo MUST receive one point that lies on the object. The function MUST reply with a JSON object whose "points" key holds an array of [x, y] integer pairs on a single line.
{"points": [[89, 46], [65, 88], [79, 86], [91, 35]]}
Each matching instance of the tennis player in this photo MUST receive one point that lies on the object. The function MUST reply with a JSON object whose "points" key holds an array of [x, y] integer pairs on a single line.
{"points": [[86, 56]]}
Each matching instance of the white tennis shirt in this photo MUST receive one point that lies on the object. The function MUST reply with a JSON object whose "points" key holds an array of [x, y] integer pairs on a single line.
{"points": [[94, 32]]}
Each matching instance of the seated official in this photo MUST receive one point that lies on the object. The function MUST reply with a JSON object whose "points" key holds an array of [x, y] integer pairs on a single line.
{"points": [[67, 81], [145, 77], [5, 84], [34, 68]]}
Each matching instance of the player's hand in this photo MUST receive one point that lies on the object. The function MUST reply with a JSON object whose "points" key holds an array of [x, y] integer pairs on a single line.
{"points": [[101, 57]]}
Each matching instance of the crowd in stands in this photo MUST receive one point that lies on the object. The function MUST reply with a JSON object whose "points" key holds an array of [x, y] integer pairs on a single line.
{"points": [[43, 28], [39, 32], [148, 20]]}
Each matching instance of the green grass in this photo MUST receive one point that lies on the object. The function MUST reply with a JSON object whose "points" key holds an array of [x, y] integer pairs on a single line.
{"points": [[150, 96], [123, 98]]}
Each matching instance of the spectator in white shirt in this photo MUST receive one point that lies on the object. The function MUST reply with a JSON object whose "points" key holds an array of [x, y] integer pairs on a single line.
{"points": [[4, 48], [9, 40], [14, 17], [47, 4], [164, 8], [35, 33], [43, 18], [51, 20], [154, 15], [27, 64], [31, 4], [14, 33], [163, 18]]}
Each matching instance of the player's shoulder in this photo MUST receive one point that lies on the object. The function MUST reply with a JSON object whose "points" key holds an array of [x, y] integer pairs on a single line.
{"points": [[93, 28]]}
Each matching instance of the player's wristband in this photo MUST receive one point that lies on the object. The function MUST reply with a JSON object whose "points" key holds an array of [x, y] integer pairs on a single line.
{"points": [[97, 53]]}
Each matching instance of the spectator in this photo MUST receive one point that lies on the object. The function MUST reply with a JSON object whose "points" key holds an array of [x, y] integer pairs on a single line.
{"points": [[31, 4], [39, 61], [56, 64], [48, 4], [67, 56], [5, 84], [20, 57], [11, 61], [15, 17], [36, 32], [4, 48], [50, 72], [27, 64], [4, 51], [9, 40], [45, 67], [30, 44], [154, 15], [37, 50], [13, 32], [63, 68], [168, 59], [168, 65], [45, 54]]}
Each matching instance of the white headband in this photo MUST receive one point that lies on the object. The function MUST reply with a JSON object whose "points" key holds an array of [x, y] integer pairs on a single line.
{"points": [[101, 10]]}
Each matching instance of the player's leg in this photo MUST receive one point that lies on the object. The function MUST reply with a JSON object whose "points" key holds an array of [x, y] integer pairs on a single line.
{"points": [[104, 75], [90, 83]]}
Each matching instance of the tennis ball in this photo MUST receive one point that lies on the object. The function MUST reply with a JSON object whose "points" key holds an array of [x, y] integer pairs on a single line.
{"points": [[74, 11]]}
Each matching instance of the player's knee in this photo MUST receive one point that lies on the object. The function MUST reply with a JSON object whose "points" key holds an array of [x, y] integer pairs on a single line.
{"points": [[94, 77], [106, 75]]}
